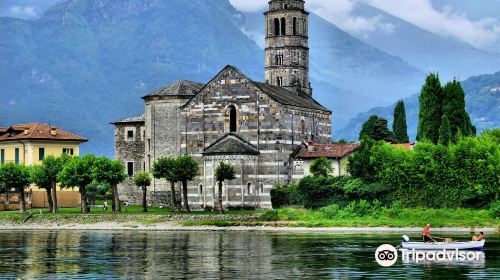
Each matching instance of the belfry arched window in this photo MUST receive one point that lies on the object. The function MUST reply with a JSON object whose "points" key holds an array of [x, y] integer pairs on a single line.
{"points": [[283, 26], [276, 27], [302, 127], [233, 124]]}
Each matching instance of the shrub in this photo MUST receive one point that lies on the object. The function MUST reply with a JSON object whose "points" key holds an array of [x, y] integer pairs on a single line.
{"points": [[282, 195], [330, 211], [317, 192], [495, 209]]}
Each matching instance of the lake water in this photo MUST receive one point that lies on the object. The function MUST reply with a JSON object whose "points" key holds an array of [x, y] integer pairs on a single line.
{"points": [[218, 255]]}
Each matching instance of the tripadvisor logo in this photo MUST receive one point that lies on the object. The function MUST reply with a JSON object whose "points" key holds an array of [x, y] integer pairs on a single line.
{"points": [[386, 255]]}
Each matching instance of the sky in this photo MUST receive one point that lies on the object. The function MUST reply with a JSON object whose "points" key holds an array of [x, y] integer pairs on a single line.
{"points": [[476, 22]]}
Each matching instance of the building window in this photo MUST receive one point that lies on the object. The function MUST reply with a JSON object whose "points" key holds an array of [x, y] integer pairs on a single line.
{"points": [[16, 155], [279, 81], [283, 26], [200, 189], [130, 168], [302, 127], [41, 153], [261, 186], [2, 156], [149, 144], [129, 134], [233, 122], [68, 151], [276, 27], [249, 188], [143, 133], [294, 26]]}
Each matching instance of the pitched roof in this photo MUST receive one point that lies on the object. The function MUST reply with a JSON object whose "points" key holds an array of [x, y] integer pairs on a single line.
{"points": [[278, 94], [231, 144], [407, 146], [133, 119], [38, 131], [181, 87], [314, 150], [284, 96]]}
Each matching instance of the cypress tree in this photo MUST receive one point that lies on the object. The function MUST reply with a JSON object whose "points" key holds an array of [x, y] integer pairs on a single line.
{"points": [[445, 135], [399, 127], [454, 109], [429, 116]]}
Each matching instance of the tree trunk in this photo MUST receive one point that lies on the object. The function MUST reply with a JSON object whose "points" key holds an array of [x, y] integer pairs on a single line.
{"points": [[49, 198], [173, 198], [55, 207], [116, 201], [185, 195], [144, 202], [22, 202], [221, 209], [83, 198]]}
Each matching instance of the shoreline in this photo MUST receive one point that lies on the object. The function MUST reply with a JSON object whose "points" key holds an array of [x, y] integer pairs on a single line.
{"points": [[174, 227]]}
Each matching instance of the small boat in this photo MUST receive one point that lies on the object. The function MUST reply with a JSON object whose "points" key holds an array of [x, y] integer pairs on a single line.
{"points": [[467, 245]]}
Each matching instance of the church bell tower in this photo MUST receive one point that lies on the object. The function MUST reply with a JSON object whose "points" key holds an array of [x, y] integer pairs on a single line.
{"points": [[287, 47]]}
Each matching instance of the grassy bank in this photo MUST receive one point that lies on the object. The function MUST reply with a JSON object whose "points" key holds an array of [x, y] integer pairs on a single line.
{"points": [[407, 217]]}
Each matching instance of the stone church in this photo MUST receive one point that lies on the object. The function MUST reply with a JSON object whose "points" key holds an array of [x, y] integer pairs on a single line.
{"points": [[255, 126]]}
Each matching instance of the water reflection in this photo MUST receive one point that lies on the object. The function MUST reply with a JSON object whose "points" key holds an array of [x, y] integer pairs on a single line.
{"points": [[215, 255]]}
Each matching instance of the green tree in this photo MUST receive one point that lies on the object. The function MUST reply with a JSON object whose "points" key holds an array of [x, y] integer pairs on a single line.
{"points": [[166, 168], [376, 129], [431, 103], [77, 173], [321, 167], [454, 109], [143, 180], [399, 127], [52, 166], [185, 171], [445, 135], [368, 128], [223, 172], [40, 178], [359, 163], [17, 177], [112, 172]]}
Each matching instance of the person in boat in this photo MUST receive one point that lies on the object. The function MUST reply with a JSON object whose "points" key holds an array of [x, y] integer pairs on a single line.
{"points": [[479, 237], [426, 234]]}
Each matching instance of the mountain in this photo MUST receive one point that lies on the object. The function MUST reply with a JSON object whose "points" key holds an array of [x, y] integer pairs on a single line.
{"points": [[482, 99], [447, 55], [85, 63]]}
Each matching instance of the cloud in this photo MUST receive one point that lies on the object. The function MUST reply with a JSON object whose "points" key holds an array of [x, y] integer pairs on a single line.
{"points": [[446, 21], [249, 5], [342, 14], [23, 12], [479, 33]]}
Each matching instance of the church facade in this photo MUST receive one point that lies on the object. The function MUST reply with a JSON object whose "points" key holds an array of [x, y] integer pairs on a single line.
{"points": [[255, 126]]}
